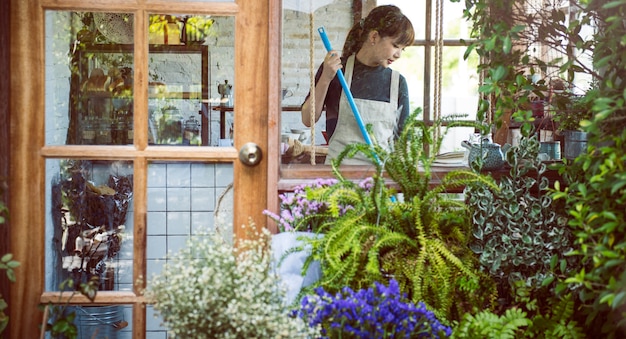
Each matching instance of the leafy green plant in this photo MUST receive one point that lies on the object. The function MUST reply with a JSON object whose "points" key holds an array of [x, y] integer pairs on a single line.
{"points": [[419, 237], [517, 229], [62, 315], [487, 324], [594, 193], [571, 111], [504, 34], [7, 264], [553, 320], [212, 289]]}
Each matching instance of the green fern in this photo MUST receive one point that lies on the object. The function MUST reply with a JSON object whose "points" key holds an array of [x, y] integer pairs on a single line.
{"points": [[487, 325], [419, 238]]}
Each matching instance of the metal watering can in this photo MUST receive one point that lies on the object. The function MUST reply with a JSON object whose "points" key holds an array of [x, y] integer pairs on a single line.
{"points": [[492, 154], [224, 89]]}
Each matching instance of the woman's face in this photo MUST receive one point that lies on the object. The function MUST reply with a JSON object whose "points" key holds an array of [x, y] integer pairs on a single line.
{"points": [[387, 50]]}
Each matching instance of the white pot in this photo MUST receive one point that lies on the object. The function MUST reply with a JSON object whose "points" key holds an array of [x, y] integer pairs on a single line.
{"points": [[289, 268]]}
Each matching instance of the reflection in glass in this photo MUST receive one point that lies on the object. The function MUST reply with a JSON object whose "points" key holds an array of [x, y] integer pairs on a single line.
{"points": [[184, 200], [89, 228], [89, 78], [105, 321], [459, 77], [186, 52]]}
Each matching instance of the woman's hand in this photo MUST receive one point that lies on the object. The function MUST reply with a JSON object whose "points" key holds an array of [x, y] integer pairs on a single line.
{"points": [[332, 63]]}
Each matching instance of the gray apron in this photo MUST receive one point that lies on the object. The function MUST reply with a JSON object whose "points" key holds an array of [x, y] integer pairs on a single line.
{"points": [[381, 115]]}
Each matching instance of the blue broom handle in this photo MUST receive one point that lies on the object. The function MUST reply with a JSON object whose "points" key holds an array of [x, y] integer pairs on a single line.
{"points": [[346, 90]]}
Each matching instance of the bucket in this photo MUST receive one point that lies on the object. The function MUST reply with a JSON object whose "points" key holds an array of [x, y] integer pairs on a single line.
{"points": [[575, 143], [99, 322], [552, 149]]}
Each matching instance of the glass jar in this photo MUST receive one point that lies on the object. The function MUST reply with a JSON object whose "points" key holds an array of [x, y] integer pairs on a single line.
{"points": [[118, 132], [170, 127], [130, 132], [103, 134], [89, 131], [191, 133]]}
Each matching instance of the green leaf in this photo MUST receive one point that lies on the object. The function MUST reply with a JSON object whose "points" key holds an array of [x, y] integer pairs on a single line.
{"points": [[13, 264], [553, 261], [506, 48], [499, 73], [7, 257], [613, 4], [618, 301], [547, 281]]}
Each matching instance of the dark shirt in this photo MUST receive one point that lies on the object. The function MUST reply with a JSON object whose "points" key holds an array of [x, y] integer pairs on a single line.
{"points": [[372, 83]]}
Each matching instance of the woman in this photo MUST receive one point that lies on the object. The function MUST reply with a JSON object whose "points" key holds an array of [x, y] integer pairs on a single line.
{"points": [[380, 94]]}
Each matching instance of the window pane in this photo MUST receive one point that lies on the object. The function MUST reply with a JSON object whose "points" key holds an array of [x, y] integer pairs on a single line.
{"points": [[109, 321], [191, 80], [459, 83], [89, 78], [89, 226], [415, 11], [184, 200], [411, 66], [459, 93]]}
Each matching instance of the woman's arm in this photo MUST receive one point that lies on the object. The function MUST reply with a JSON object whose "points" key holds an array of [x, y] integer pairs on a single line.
{"points": [[403, 100], [332, 63]]}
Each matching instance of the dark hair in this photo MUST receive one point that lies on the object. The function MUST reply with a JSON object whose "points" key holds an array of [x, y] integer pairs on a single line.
{"points": [[388, 21]]}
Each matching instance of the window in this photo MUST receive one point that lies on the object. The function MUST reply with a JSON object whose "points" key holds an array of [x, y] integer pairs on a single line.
{"points": [[459, 80]]}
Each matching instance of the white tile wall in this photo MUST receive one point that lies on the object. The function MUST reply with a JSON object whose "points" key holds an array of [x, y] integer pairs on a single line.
{"points": [[182, 199]]}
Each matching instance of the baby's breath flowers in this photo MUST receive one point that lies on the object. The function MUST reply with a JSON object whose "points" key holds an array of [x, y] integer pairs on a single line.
{"points": [[211, 289], [378, 312]]}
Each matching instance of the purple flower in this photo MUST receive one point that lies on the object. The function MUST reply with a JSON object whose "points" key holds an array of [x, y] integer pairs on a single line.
{"points": [[298, 212], [378, 312]]}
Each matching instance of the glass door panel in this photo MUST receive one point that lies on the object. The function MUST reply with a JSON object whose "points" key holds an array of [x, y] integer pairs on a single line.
{"points": [[89, 225], [191, 80], [89, 78], [185, 200]]}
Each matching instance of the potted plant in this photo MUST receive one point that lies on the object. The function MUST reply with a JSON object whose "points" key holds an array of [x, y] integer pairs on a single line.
{"points": [[90, 220], [570, 112], [376, 312], [523, 47], [594, 186], [299, 218], [419, 237], [518, 231], [213, 289]]}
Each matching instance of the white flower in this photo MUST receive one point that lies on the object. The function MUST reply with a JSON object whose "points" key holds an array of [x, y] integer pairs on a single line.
{"points": [[212, 290]]}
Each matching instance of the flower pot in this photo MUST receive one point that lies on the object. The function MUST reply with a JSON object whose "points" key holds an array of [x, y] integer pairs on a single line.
{"points": [[99, 321], [289, 267], [574, 143]]}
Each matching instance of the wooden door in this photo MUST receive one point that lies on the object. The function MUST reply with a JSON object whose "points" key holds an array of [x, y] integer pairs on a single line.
{"points": [[256, 75]]}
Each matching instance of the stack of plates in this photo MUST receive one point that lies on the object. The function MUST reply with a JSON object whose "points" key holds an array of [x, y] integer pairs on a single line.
{"points": [[451, 159]]}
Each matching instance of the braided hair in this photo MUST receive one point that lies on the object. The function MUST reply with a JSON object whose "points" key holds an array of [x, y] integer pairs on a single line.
{"points": [[388, 21]]}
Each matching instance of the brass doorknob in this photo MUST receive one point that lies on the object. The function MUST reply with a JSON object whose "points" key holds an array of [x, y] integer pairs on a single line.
{"points": [[250, 154]]}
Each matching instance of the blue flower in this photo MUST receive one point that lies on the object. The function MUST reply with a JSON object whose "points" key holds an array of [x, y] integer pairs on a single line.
{"points": [[378, 312]]}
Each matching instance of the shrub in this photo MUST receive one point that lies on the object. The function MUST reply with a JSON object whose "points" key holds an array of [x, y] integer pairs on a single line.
{"points": [[211, 289]]}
